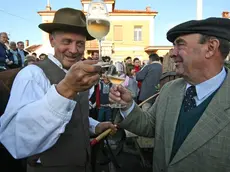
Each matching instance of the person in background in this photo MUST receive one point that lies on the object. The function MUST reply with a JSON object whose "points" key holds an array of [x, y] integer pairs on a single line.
{"points": [[29, 60], [106, 58], [190, 119], [131, 84], [21, 51], [14, 56], [128, 63], [102, 99], [120, 68], [42, 56], [95, 55], [150, 77], [137, 68], [4, 61]]}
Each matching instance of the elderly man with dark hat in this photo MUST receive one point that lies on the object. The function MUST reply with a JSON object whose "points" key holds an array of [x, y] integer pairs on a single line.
{"points": [[190, 119], [46, 118]]}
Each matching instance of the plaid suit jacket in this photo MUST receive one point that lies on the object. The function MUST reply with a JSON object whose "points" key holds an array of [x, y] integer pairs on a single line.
{"points": [[206, 148]]}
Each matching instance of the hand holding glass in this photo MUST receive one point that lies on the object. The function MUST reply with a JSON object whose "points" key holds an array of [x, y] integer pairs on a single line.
{"points": [[116, 80]]}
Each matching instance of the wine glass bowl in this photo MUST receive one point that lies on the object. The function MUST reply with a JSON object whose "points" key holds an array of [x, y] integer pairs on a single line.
{"points": [[116, 80], [97, 21]]}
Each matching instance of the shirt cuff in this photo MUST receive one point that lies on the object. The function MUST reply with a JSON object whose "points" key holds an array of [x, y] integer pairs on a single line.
{"points": [[125, 113], [62, 106], [92, 125]]}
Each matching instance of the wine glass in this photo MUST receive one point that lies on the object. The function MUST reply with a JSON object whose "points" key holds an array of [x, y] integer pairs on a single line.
{"points": [[97, 22], [116, 79]]}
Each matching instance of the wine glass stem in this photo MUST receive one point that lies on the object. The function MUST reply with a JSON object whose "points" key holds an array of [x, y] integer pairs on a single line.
{"points": [[100, 54]]}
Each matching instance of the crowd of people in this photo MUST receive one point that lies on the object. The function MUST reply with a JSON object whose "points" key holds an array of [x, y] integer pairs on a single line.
{"points": [[13, 55], [140, 79], [47, 118]]}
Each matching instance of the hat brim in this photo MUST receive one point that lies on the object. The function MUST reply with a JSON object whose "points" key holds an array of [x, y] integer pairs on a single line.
{"points": [[50, 27]]}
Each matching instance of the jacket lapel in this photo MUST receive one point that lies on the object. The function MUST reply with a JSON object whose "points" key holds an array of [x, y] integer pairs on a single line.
{"points": [[173, 109], [213, 120]]}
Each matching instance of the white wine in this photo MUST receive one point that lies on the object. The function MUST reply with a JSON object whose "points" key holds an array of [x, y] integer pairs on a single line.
{"points": [[98, 28], [115, 80]]}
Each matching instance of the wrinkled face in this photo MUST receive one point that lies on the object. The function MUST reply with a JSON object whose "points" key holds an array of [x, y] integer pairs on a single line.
{"points": [[3, 38], [137, 63], [189, 55], [95, 56], [21, 46], [68, 47]]}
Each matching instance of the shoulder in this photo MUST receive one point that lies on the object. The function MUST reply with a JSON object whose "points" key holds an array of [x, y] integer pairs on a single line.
{"points": [[158, 65], [32, 73], [169, 86]]}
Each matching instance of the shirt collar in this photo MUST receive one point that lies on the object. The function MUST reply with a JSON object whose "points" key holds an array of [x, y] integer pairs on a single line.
{"points": [[206, 87], [56, 61], [155, 62]]}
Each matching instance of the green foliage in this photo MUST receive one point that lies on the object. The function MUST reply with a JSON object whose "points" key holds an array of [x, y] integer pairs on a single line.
{"points": [[227, 64], [158, 87]]}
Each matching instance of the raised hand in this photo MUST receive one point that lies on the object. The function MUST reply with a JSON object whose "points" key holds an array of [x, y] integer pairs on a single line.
{"points": [[80, 77], [121, 95]]}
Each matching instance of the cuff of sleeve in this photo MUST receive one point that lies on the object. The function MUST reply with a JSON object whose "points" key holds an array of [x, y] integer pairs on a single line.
{"points": [[124, 114], [92, 125], [62, 106]]}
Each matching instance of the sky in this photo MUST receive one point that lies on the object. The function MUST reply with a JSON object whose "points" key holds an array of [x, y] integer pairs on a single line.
{"points": [[21, 20]]}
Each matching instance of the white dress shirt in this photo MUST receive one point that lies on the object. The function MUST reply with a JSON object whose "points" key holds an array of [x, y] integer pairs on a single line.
{"points": [[36, 115], [203, 90]]}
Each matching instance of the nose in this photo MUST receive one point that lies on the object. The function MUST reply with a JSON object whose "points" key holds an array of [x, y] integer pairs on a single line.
{"points": [[73, 48], [173, 52]]}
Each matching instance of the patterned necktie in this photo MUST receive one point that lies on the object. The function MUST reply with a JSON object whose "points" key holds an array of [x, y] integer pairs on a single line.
{"points": [[189, 101]]}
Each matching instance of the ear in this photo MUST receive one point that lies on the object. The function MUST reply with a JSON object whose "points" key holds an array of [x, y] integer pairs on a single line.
{"points": [[213, 45], [52, 40]]}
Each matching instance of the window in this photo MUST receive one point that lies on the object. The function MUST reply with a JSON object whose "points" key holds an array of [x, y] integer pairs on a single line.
{"points": [[118, 33], [137, 33]]}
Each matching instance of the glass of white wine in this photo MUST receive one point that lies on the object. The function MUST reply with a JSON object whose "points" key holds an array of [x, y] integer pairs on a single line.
{"points": [[115, 79], [98, 24]]}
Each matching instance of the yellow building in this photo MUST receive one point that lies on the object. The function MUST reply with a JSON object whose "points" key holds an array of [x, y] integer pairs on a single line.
{"points": [[131, 32]]}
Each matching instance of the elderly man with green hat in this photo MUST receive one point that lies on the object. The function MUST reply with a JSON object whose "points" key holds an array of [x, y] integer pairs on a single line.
{"points": [[46, 119], [190, 119]]}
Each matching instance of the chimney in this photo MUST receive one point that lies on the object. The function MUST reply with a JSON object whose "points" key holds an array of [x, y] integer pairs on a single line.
{"points": [[148, 8], [27, 43]]}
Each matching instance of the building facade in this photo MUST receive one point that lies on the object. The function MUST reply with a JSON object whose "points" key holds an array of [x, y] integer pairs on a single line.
{"points": [[131, 32]]}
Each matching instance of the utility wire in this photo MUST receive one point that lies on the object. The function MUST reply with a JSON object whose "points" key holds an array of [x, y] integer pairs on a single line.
{"points": [[2, 10]]}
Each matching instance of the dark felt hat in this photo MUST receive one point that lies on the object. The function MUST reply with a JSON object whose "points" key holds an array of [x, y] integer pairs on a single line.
{"points": [[213, 26], [68, 19]]}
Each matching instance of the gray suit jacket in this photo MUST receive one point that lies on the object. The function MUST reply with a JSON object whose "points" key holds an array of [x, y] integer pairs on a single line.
{"points": [[150, 76], [206, 148]]}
